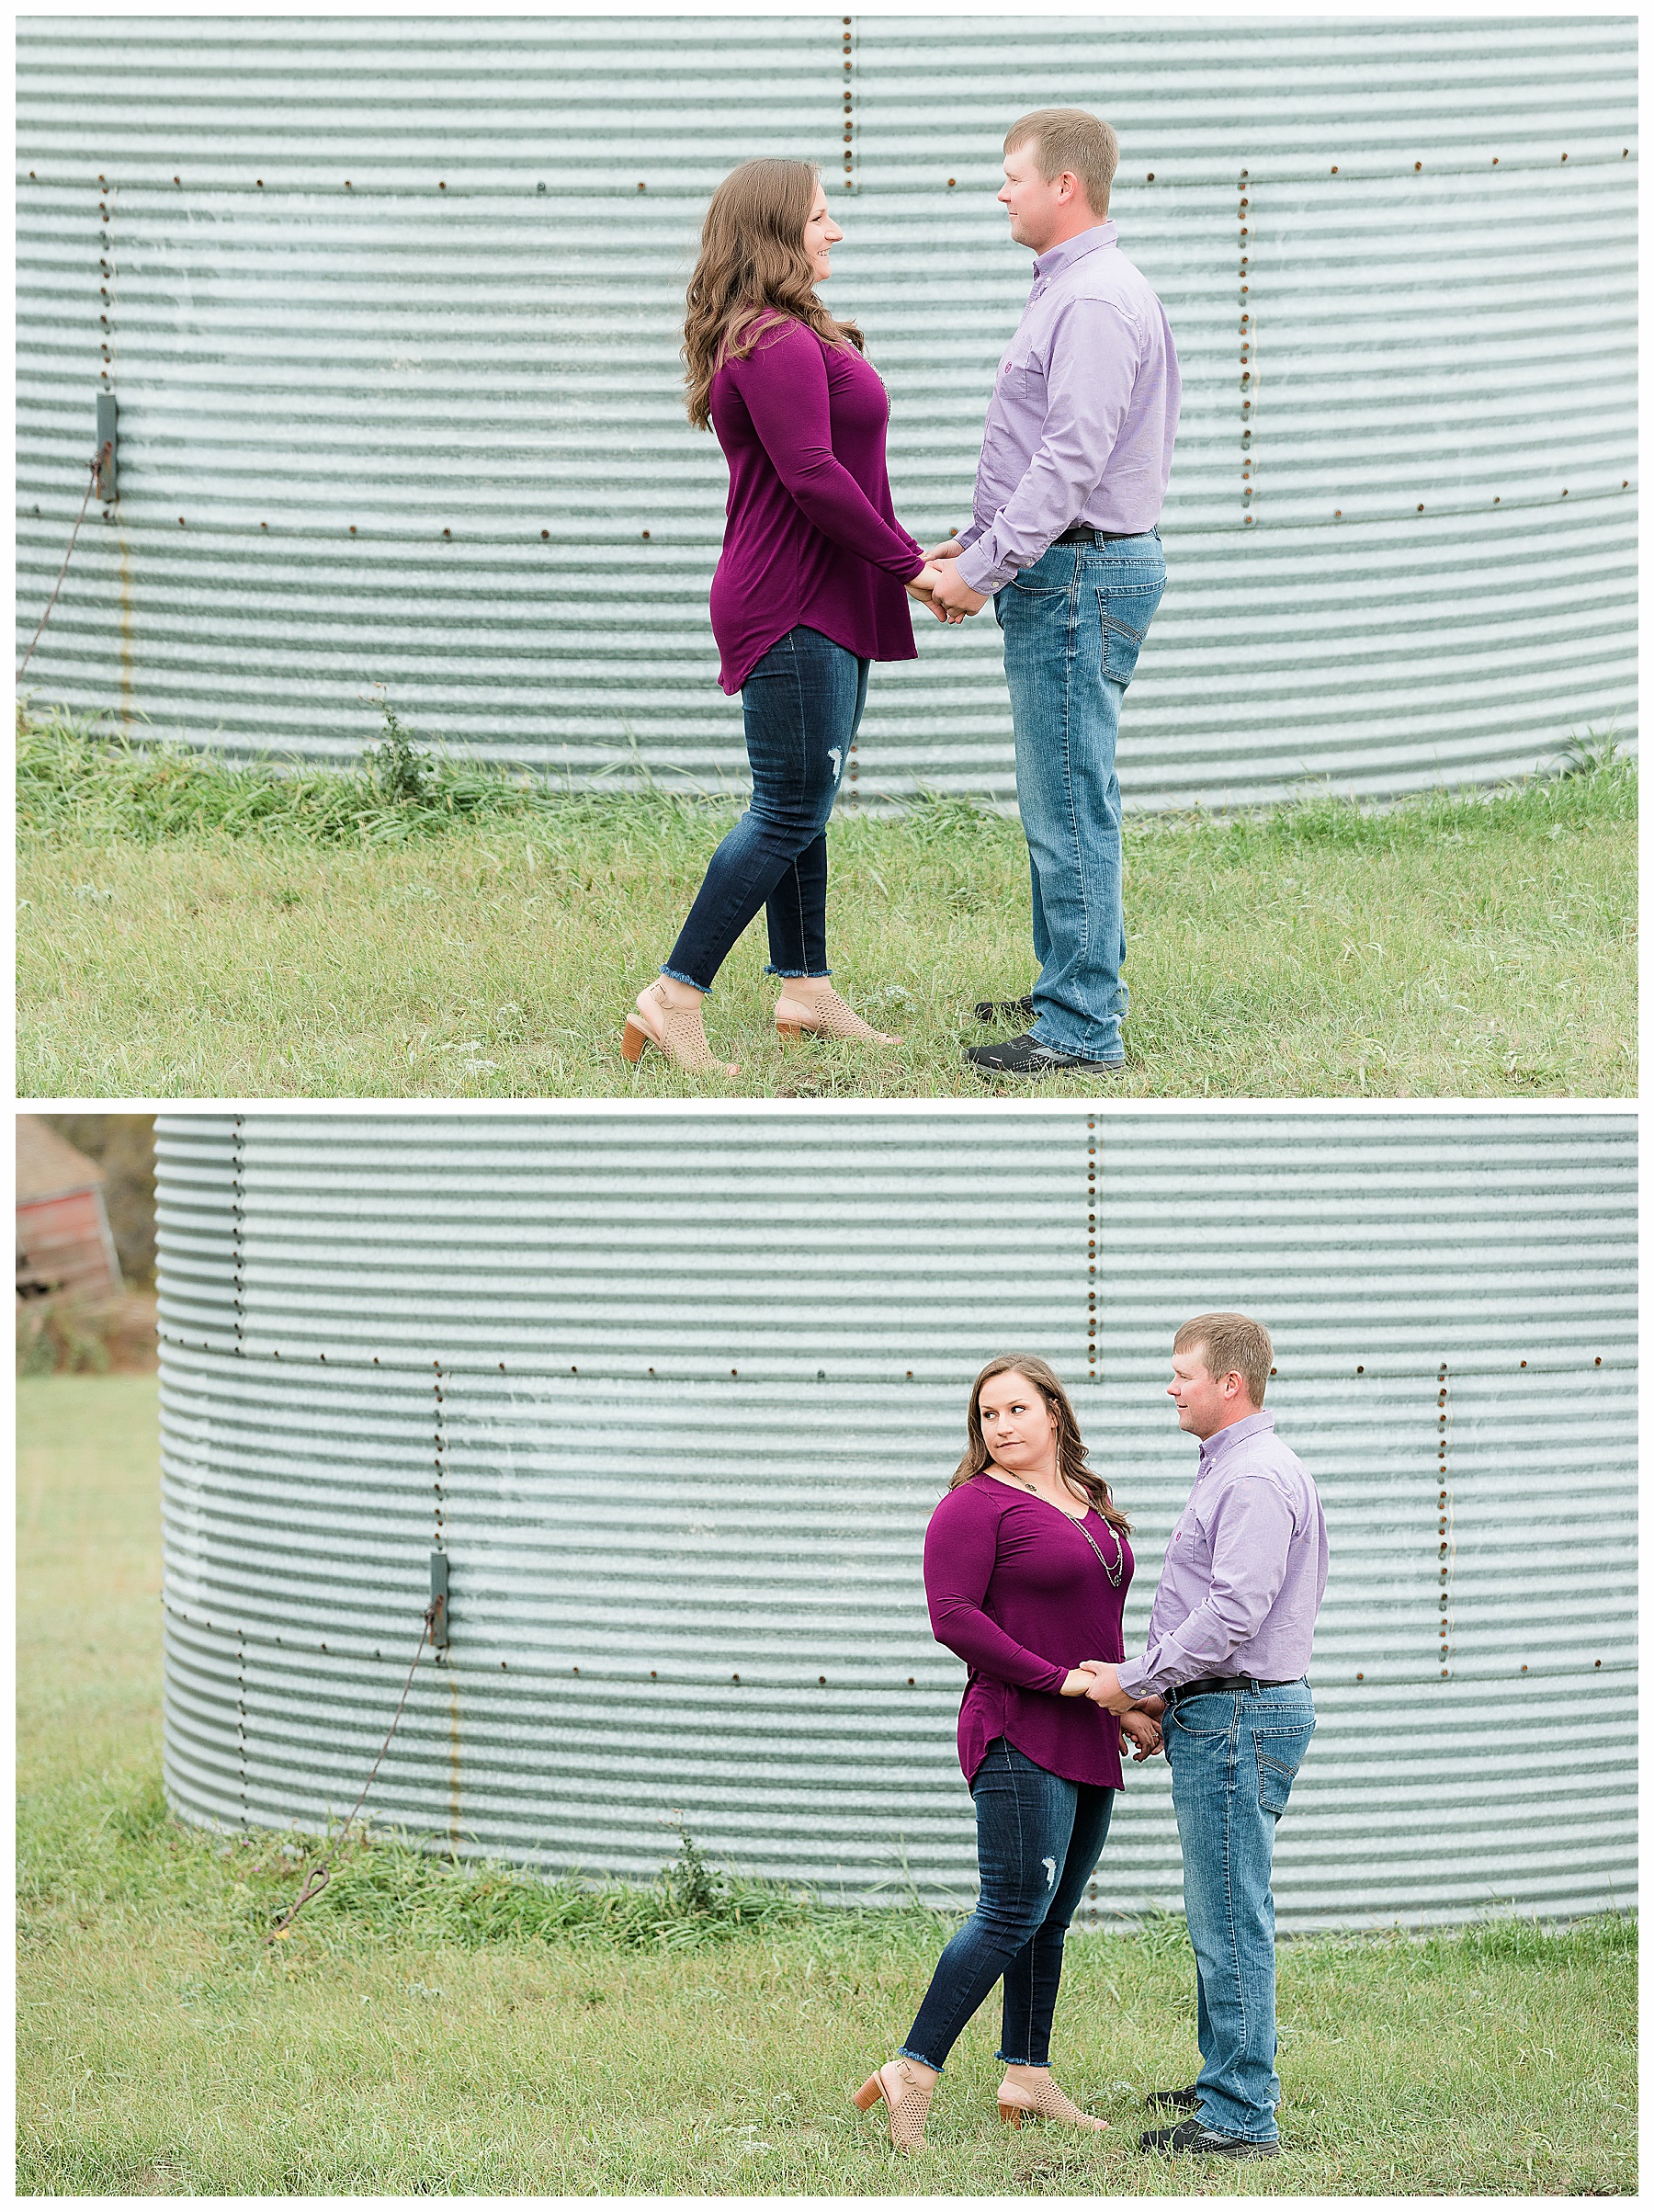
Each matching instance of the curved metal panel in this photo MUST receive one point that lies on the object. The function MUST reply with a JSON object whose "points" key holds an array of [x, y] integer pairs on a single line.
{"points": [[399, 389], [676, 1395]]}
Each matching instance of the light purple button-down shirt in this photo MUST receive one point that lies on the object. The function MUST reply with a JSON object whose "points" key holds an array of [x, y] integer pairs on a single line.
{"points": [[1083, 413], [1245, 1571]]}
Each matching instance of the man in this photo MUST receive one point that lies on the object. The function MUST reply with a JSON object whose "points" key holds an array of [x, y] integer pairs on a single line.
{"points": [[1229, 1639], [1076, 455]]}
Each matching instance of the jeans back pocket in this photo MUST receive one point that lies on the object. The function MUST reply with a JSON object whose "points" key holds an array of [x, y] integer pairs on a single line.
{"points": [[1280, 1754], [1125, 610]]}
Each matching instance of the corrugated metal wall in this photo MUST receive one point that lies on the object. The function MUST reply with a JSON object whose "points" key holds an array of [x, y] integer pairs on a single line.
{"points": [[392, 308], [676, 1394]]}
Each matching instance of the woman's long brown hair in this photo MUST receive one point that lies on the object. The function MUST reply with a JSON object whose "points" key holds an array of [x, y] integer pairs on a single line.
{"points": [[1072, 1461], [753, 274]]}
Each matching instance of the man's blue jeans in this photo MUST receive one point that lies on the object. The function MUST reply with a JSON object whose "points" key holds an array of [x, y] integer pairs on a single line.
{"points": [[1038, 1837], [1074, 622], [802, 706], [1233, 1755]]}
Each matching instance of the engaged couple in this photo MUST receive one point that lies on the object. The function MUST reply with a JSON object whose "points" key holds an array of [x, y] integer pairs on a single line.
{"points": [[1032, 1605], [816, 572]]}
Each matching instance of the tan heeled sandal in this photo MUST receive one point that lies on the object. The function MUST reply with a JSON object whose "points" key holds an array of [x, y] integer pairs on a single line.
{"points": [[1017, 2102], [675, 1031], [825, 1016], [907, 2101]]}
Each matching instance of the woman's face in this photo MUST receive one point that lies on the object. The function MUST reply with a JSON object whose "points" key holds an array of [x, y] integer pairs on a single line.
{"points": [[820, 235], [1017, 1426]]}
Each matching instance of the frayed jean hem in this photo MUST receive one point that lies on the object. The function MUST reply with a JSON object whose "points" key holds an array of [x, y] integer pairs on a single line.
{"points": [[799, 975], [676, 975]]}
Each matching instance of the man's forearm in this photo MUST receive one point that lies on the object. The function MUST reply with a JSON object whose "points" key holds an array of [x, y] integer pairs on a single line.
{"points": [[1042, 506]]}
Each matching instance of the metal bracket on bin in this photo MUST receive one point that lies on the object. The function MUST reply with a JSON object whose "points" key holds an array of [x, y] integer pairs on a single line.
{"points": [[439, 1600], [108, 447]]}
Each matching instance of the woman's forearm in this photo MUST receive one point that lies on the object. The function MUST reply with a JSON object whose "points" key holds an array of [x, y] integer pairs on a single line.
{"points": [[983, 1644]]}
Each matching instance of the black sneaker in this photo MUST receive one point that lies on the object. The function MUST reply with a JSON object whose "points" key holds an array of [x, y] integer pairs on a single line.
{"points": [[1024, 1055], [1004, 1009], [1194, 2136], [1180, 2099]]}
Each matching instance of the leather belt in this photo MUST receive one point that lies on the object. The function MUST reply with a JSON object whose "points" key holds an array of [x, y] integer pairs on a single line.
{"points": [[1083, 534], [1228, 1682]]}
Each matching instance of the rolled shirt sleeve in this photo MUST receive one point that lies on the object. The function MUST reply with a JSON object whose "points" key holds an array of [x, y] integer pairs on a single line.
{"points": [[1250, 1529], [1090, 371]]}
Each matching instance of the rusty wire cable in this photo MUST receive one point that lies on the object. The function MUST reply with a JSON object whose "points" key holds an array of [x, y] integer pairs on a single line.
{"points": [[95, 470], [317, 1880]]}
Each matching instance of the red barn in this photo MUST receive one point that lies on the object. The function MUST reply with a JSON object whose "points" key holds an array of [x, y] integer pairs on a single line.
{"points": [[63, 1240]]}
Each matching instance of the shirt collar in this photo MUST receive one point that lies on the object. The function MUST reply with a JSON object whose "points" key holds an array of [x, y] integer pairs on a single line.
{"points": [[1215, 1447], [1071, 249]]}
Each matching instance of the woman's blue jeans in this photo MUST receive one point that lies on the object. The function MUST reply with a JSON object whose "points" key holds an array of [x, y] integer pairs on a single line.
{"points": [[1074, 622], [1233, 1755], [1038, 1838], [802, 705]]}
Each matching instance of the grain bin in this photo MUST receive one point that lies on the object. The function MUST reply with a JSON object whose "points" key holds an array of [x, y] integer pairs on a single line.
{"points": [[390, 309], [674, 1393]]}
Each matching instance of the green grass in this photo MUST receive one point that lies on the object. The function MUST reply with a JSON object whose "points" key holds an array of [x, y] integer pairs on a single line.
{"points": [[433, 928], [434, 2029]]}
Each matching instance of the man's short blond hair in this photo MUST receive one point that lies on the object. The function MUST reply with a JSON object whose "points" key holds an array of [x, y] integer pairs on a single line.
{"points": [[1070, 138], [1234, 1344]]}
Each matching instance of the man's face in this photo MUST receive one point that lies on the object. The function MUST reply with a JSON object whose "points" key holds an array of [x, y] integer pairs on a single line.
{"points": [[1204, 1401], [1035, 207]]}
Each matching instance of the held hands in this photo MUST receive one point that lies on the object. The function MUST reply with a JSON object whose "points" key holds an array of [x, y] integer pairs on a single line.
{"points": [[1139, 1721], [922, 588], [956, 596], [1140, 1734], [1105, 1686], [938, 584]]}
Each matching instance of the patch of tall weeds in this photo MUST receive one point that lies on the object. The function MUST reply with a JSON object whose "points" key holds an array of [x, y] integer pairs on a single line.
{"points": [[79, 777], [394, 1891]]}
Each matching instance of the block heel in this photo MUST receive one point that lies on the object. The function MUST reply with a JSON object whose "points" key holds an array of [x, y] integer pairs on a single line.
{"points": [[906, 2101]]}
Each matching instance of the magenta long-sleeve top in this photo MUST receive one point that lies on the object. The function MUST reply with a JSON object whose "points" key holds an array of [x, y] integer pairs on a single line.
{"points": [[1020, 1595], [810, 536]]}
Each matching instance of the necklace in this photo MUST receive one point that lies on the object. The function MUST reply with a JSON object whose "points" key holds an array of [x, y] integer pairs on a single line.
{"points": [[1116, 1572], [1118, 1569]]}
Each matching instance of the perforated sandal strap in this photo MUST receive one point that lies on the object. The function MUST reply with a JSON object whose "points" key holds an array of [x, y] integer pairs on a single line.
{"points": [[908, 2109], [1053, 2104], [830, 1016], [683, 1039]]}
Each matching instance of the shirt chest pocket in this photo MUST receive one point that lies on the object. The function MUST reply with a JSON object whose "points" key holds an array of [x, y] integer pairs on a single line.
{"points": [[1189, 1544], [1022, 378]]}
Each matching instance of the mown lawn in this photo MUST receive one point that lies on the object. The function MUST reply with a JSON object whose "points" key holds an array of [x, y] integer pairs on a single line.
{"points": [[189, 930], [431, 2030]]}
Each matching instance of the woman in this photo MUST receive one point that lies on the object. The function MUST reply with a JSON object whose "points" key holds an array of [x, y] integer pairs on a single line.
{"points": [[809, 591], [1026, 1568]]}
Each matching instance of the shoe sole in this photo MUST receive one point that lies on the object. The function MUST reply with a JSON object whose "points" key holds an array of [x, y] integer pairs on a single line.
{"points": [[1250, 2151], [1080, 1067]]}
